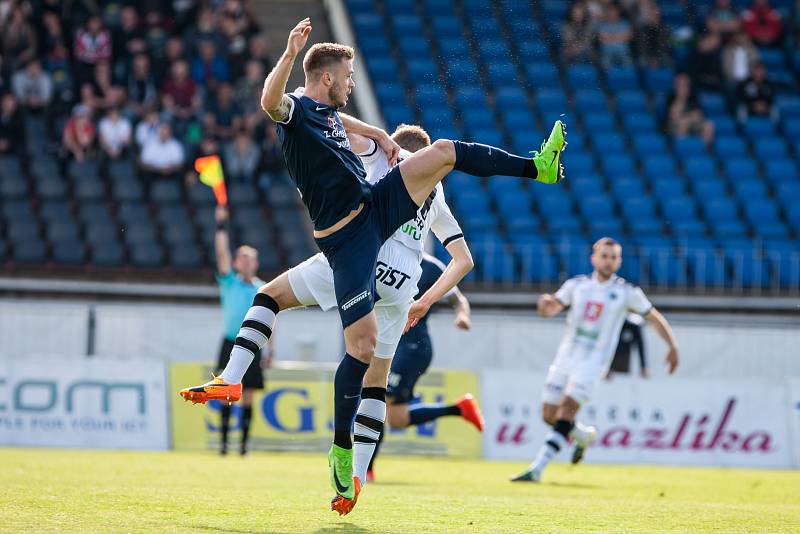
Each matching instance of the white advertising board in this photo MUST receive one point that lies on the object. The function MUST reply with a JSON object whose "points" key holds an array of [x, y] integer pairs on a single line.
{"points": [[80, 402], [661, 421]]}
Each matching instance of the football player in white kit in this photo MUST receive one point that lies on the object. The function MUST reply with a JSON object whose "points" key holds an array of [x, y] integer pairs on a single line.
{"points": [[397, 275], [598, 305]]}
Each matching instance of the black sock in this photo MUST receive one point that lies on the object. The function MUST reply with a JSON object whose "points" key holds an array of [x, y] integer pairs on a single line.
{"points": [[225, 424], [375, 454], [563, 427], [484, 160], [346, 395], [247, 416], [422, 413]]}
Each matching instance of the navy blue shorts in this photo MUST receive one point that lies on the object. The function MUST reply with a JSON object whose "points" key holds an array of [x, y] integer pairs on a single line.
{"points": [[353, 250], [411, 360]]}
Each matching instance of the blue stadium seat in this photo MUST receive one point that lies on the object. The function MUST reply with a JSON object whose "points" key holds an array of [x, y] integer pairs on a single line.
{"points": [[542, 74], [636, 123], [631, 102], [758, 127], [550, 99], [530, 51], [537, 262], [406, 24], [598, 121], [679, 208], [477, 118], [652, 143], [587, 184], [622, 79], [367, 24], [422, 70], [597, 207], [627, 188], [659, 80], [666, 186], [493, 49], [502, 74], [706, 268], [720, 210], [749, 189], [579, 162], [438, 7], [462, 73], [378, 45], [770, 148], [713, 103], [688, 146], [516, 120], [618, 165], [740, 168], [446, 25], [699, 168], [659, 165], [510, 98], [430, 94], [582, 77], [606, 143], [728, 146], [470, 98], [724, 125], [589, 100]]}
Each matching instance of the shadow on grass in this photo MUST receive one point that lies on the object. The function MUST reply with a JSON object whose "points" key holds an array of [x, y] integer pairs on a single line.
{"points": [[343, 528], [573, 485], [209, 528]]}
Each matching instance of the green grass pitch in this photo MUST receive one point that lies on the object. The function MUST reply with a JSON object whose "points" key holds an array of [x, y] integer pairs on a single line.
{"points": [[46, 490]]}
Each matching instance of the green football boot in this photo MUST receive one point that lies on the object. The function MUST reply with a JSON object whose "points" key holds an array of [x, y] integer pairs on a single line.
{"points": [[548, 158], [341, 463]]}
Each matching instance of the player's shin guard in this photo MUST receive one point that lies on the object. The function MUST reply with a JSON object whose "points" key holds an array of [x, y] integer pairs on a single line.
{"points": [[368, 429], [484, 160], [252, 337], [555, 440], [346, 393]]}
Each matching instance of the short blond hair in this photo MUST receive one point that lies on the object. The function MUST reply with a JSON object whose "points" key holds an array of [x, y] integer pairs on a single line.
{"points": [[411, 137], [323, 55], [605, 242]]}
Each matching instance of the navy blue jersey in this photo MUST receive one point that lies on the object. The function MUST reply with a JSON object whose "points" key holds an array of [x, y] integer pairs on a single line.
{"points": [[431, 271], [329, 176]]}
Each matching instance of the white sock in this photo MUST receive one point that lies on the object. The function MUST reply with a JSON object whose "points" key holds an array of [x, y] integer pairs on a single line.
{"points": [[580, 433], [253, 336], [370, 419], [554, 442]]}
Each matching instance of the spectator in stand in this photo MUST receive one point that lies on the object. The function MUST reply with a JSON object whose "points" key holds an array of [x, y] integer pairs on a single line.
{"points": [[224, 116], [33, 87], [578, 36], [162, 155], [722, 19], [756, 95], [795, 26], [12, 127], [147, 127], [92, 45], [614, 35], [155, 35], [684, 114], [248, 96], [173, 52], [209, 68], [142, 89], [79, 134], [181, 97], [241, 158], [763, 23], [52, 35], [259, 51], [204, 30], [128, 38], [102, 83], [738, 58], [651, 35], [705, 62], [17, 39], [273, 165], [115, 134]]}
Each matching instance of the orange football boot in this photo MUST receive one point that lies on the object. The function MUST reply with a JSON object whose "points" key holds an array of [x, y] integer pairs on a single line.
{"points": [[345, 506], [217, 389], [470, 411]]}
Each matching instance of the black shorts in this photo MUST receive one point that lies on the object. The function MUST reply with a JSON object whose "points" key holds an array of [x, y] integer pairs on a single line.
{"points": [[253, 378], [352, 251], [411, 360]]}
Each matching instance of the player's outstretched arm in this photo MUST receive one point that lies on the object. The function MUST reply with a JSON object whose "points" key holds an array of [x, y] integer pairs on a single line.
{"points": [[273, 99], [353, 125], [548, 305], [460, 264], [664, 330], [222, 242]]}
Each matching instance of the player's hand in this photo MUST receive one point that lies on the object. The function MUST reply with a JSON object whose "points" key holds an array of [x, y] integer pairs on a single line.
{"points": [[221, 214], [463, 321], [391, 148], [645, 373], [298, 37], [417, 311], [545, 304], [672, 359]]}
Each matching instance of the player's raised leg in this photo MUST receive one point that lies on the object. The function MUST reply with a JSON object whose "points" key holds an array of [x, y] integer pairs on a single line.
{"points": [[422, 171], [582, 435], [253, 336]]}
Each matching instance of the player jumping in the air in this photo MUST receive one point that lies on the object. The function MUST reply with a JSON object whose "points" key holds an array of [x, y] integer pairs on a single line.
{"points": [[414, 355], [351, 217], [597, 306]]}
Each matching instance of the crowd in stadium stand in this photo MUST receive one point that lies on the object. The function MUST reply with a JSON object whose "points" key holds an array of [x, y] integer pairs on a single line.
{"points": [[718, 53], [153, 82]]}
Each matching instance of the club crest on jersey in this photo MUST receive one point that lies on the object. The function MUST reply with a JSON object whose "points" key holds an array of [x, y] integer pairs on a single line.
{"points": [[592, 311], [331, 122]]}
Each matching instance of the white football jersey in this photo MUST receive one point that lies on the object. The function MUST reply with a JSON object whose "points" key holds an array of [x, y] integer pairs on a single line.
{"points": [[597, 311], [434, 214]]}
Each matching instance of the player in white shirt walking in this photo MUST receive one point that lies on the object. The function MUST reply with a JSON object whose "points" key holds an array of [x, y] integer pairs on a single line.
{"points": [[598, 305]]}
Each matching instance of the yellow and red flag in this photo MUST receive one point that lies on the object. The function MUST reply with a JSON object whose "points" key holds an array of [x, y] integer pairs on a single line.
{"points": [[210, 170]]}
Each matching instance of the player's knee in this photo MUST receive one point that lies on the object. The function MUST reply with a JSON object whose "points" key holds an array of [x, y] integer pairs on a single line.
{"points": [[397, 417], [279, 292], [446, 151], [364, 348]]}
